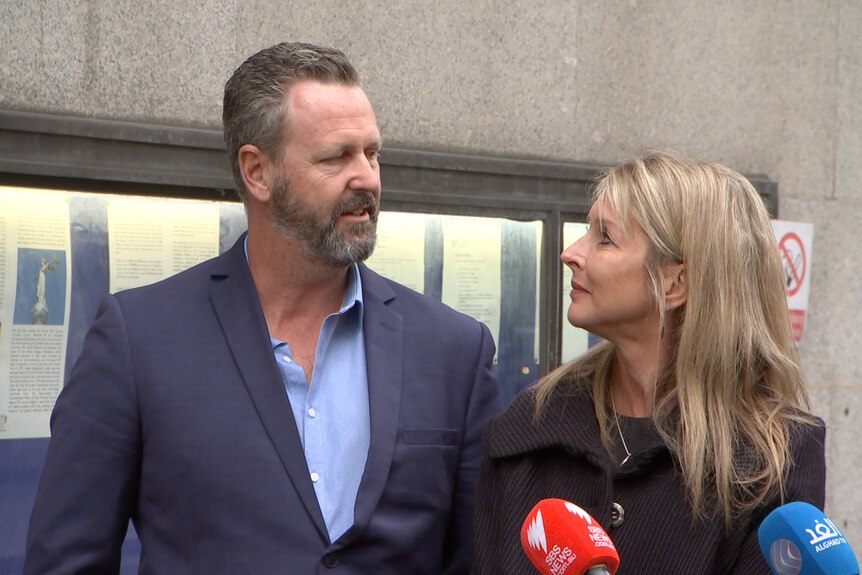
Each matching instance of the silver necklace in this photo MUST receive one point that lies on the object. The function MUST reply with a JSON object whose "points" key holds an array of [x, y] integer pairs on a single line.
{"points": [[620, 431]]}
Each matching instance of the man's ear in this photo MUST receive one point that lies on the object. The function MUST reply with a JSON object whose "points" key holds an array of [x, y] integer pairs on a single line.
{"points": [[256, 168], [675, 285]]}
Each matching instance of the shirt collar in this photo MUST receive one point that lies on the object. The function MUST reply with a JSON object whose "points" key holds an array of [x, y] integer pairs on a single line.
{"points": [[352, 293]]}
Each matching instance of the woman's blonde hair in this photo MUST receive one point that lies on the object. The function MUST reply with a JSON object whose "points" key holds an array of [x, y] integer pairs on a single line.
{"points": [[732, 382]]}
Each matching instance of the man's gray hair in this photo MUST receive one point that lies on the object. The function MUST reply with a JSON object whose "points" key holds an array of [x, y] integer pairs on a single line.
{"points": [[254, 98]]}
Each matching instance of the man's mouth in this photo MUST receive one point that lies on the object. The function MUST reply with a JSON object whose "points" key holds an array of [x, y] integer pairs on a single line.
{"points": [[357, 212], [360, 208], [361, 211]]}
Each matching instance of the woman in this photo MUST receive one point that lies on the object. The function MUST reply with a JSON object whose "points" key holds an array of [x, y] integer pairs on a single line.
{"points": [[690, 422]]}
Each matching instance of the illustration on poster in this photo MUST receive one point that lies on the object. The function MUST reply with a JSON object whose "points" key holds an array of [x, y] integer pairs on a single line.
{"points": [[39, 314]]}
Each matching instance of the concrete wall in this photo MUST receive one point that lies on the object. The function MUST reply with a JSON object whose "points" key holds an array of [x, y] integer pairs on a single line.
{"points": [[765, 86]]}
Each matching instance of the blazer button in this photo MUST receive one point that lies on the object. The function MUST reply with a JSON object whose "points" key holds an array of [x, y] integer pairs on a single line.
{"points": [[617, 515], [330, 560]]}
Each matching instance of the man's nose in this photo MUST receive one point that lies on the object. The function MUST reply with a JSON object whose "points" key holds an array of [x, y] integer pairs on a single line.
{"points": [[365, 174]]}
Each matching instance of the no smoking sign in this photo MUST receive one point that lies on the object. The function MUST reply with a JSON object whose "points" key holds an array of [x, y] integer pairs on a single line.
{"points": [[794, 246], [793, 257]]}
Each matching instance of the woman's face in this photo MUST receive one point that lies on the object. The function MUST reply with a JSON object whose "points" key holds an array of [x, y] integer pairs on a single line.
{"points": [[611, 292]]}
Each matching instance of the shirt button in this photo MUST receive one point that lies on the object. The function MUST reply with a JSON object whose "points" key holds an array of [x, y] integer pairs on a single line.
{"points": [[287, 359], [311, 412], [315, 476], [617, 515]]}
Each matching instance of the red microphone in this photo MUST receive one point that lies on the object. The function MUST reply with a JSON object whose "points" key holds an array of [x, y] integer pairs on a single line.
{"points": [[560, 538]]}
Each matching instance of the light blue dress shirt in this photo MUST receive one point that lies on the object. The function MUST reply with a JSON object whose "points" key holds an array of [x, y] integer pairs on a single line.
{"points": [[332, 414]]}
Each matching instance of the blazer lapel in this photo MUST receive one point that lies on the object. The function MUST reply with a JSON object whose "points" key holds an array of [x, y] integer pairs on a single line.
{"points": [[384, 353], [237, 307]]}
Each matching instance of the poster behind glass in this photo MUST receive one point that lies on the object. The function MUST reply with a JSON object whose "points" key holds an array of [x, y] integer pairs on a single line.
{"points": [[61, 251]]}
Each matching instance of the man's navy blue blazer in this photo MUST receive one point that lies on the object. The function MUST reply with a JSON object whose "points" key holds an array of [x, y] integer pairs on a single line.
{"points": [[175, 416]]}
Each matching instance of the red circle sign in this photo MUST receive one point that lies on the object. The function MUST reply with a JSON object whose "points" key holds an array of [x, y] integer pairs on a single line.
{"points": [[794, 260]]}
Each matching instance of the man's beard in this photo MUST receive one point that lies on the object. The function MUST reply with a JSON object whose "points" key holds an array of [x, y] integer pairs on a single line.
{"points": [[321, 238]]}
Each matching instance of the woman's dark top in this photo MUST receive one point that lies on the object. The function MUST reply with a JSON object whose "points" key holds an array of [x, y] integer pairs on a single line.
{"points": [[562, 457]]}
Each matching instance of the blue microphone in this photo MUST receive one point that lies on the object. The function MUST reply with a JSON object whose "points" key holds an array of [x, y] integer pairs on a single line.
{"points": [[798, 539]]}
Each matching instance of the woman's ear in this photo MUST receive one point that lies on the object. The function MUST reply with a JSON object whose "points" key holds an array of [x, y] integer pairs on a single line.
{"points": [[675, 285], [255, 167]]}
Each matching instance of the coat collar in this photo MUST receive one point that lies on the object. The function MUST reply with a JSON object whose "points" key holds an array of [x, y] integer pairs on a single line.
{"points": [[237, 306], [567, 422], [245, 328], [383, 329]]}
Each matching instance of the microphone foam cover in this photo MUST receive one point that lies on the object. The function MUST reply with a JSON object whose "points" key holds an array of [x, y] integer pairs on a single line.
{"points": [[560, 538], [799, 539]]}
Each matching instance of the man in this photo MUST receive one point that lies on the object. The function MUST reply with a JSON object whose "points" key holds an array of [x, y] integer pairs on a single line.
{"points": [[281, 408]]}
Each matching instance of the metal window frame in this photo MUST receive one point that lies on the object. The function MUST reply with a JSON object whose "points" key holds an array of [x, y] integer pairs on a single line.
{"points": [[86, 154]]}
